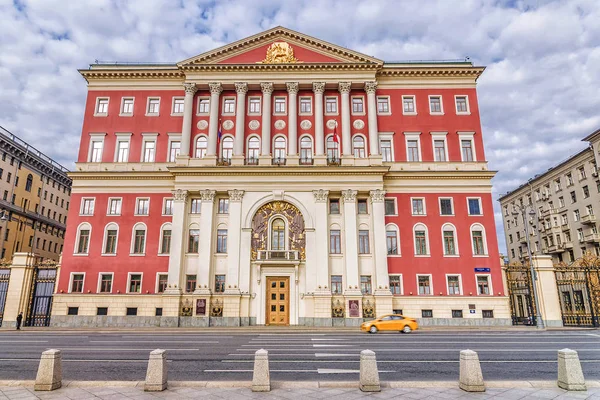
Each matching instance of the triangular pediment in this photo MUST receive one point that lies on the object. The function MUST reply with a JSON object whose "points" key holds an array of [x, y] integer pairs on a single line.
{"points": [[280, 46]]}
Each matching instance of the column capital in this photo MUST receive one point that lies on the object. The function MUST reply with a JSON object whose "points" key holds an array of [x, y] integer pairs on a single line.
{"points": [[215, 87], [236, 195], [266, 87], [208, 195], [292, 87], [180, 195], [319, 87], [321, 195], [344, 87], [370, 87], [349, 195], [377, 196], [190, 88], [241, 87]]}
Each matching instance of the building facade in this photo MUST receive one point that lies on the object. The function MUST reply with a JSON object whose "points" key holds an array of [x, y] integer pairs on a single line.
{"points": [[280, 180], [561, 204]]}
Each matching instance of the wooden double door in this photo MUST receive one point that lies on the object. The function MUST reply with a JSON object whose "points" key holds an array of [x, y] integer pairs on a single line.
{"points": [[278, 301]]}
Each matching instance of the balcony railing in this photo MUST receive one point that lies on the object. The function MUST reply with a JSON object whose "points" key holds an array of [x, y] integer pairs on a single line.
{"points": [[223, 162], [307, 161], [592, 237], [333, 161], [278, 161], [251, 161], [554, 249], [566, 245], [278, 255], [588, 219]]}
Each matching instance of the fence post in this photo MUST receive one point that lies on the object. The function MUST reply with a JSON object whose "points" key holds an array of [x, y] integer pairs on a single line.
{"points": [[570, 375], [471, 379], [49, 375], [156, 375], [369, 375], [261, 380]]}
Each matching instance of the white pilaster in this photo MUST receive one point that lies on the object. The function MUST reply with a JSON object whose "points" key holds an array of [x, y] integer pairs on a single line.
{"points": [[322, 241], [234, 230], [381, 283], [319, 89], [206, 241], [351, 243], [267, 91], [344, 88], [292, 88], [213, 120], [188, 109], [241, 88], [371, 88], [176, 250]]}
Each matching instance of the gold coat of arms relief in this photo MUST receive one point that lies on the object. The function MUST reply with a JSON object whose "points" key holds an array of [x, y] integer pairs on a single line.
{"points": [[279, 53]]}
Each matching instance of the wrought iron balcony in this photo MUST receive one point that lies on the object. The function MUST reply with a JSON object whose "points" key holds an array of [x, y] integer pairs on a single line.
{"points": [[588, 219], [278, 255], [223, 162], [278, 161], [251, 161], [307, 161], [333, 160]]}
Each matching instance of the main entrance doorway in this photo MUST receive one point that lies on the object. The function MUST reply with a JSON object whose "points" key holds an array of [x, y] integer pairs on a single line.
{"points": [[278, 301]]}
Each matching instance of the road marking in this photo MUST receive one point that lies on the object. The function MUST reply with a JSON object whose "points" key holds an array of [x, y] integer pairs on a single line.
{"points": [[23, 341], [336, 355], [402, 362], [90, 361], [153, 341], [117, 349], [333, 345], [593, 334], [414, 342]]}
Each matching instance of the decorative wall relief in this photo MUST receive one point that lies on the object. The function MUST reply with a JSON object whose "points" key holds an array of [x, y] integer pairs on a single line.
{"points": [[295, 223]]}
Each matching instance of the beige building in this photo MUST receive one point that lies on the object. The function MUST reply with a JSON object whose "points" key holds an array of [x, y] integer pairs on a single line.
{"points": [[565, 200]]}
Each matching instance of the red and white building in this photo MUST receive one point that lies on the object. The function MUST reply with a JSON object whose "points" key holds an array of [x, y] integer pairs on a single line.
{"points": [[280, 179]]}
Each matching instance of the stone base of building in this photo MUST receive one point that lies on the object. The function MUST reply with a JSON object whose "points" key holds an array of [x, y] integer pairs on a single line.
{"points": [[475, 322]]}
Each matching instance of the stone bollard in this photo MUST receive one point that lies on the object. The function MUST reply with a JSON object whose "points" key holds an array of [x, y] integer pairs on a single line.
{"points": [[49, 375], [261, 380], [369, 375], [156, 375], [471, 379], [570, 375]]}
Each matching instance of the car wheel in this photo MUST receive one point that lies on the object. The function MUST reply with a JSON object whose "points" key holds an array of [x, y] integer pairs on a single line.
{"points": [[406, 329], [373, 329]]}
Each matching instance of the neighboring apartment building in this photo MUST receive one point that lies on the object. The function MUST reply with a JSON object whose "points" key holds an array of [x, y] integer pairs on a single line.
{"points": [[280, 180], [34, 202], [566, 201]]}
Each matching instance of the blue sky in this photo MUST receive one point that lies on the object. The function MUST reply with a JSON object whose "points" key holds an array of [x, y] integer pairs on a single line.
{"points": [[538, 97]]}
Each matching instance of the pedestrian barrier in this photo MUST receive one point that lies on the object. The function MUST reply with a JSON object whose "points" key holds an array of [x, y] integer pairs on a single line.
{"points": [[369, 374], [570, 375], [471, 379], [49, 375], [156, 375], [261, 380]]}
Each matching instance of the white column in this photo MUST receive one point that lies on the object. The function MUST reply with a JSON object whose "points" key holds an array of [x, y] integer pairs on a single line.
{"points": [[267, 91], [344, 88], [292, 88], [381, 283], [206, 241], [319, 89], [188, 109], [176, 250], [213, 120], [234, 230], [241, 88], [351, 243], [371, 88], [322, 240]]}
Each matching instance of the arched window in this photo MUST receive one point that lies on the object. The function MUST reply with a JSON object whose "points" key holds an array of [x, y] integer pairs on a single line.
{"points": [[278, 234], [165, 239], [306, 153], [201, 146], [111, 234], [421, 240], [227, 148], [29, 183], [449, 239], [253, 150], [138, 239], [84, 233], [358, 145], [391, 239], [478, 240], [280, 148], [332, 149]]}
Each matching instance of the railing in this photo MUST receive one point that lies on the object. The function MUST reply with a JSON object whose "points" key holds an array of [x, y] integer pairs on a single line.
{"points": [[223, 161], [566, 245], [278, 161], [251, 161], [278, 255], [592, 237], [307, 161], [333, 161], [588, 219]]}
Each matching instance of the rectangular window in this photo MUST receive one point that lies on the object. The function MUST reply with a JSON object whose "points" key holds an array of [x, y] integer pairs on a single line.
{"points": [[449, 243], [408, 105], [383, 105], [435, 104], [223, 206], [336, 284], [135, 283], [582, 174], [418, 206], [395, 284], [193, 240], [114, 206], [77, 283], [87, 206], [457, 314], [96, 153], [106, 283], [163, 280], [363, 242], [254, 105], [305, 105], [229, 106], [426, 313], [474, 206], [168, 207], [127, 106], [335, 242], [478, 247], [142, 207], [131, 311], [386, 150], [453, 284], [412, 149], [439, 150], [391, 239], [420, 243], [222, 241], [72, 310], [331, 105], [334, 206], [102, 311], [446, 207], [122, 150], [153, 106], [362, 206], [111, 242], [102, 106], [424, 282], [390, 206], [487, 313], [139, 242], [166, 241], [586, 192], [467, 150], [190, 283], [149, 150], [219, 283], [365, 284], [178, 105], [84, 241], [573, 197], [195, 206], [358, 106], [279, 105], [174, 150], [483, 284], [461, 105], [203, 105]]}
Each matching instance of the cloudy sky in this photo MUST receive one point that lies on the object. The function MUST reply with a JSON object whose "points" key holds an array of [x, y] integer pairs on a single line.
{"points": [[539, 95]]}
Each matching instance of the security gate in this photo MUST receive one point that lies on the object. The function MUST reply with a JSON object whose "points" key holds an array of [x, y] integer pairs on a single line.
{"points": [[578, 287], [4, 278], [520, 291], [41, 297]]}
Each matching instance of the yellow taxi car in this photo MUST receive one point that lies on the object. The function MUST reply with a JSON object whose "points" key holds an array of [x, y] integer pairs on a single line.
{"points": [[392, 322]]}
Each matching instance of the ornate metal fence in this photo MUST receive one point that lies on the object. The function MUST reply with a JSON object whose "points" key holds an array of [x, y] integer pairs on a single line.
{"points": [[520, 291], [40, 304], [4, 278]]}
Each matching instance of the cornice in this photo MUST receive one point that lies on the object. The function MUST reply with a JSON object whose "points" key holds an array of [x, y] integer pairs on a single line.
{"points": [[282, 67], [418, 175], [115, 175], [433, 71], [124, 73], [279, 171]]}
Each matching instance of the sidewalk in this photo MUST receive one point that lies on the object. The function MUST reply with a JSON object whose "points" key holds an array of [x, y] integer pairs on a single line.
{"points": [[296, 390]]}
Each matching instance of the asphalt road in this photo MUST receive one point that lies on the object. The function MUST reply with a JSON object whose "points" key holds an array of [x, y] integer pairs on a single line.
{"points": [[217, 355]]}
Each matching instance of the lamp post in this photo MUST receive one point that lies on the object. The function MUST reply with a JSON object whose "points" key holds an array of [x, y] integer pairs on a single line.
{"points": [[523, 211]]}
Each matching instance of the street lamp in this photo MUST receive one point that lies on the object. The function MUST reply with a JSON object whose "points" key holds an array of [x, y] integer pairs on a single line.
{"points": [[523, 211]]}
